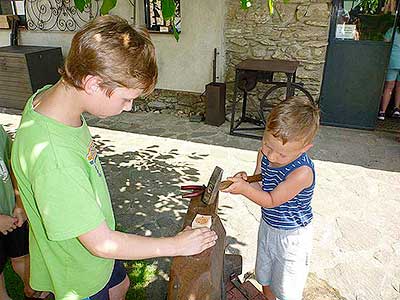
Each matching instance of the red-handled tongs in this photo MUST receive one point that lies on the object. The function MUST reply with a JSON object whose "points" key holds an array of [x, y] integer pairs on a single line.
{"points": [[197, 190]]}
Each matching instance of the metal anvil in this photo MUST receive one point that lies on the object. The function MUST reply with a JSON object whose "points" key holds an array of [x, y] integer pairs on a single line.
{"points": [[201, 276]]}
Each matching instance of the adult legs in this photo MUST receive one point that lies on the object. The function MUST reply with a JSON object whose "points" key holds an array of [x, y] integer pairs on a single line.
{"points": [[397, 96], [21, 267], [387, 94]]}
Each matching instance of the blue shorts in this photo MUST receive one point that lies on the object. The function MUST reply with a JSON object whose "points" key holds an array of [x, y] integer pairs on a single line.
{"points": [[393, 74], [117, 276]]}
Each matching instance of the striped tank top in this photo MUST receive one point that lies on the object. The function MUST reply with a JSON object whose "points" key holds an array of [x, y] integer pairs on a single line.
{"points": [[296, 212]]}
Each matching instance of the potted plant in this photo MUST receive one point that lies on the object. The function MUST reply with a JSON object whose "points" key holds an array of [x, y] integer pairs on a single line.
{"points": [[373, 22], [168, 10]]}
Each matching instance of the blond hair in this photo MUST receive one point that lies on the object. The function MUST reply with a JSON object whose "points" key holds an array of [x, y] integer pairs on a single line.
{"points": [[295, 119], [120, 55]]}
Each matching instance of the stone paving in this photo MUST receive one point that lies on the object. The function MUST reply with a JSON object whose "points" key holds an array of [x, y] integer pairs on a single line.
{"points": [[356, 256]]}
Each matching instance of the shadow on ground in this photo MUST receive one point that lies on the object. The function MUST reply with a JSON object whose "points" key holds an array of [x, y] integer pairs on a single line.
{"points": [[370, 149], [145, 190]]}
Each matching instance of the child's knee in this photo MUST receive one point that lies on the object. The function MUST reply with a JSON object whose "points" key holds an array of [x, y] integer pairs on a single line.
{"points": [[119, 291]]}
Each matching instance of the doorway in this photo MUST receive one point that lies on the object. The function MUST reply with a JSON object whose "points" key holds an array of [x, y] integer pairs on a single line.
{"points": [[356, 62]]}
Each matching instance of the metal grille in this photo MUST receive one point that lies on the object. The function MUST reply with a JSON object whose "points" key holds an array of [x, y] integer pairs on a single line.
{"points": [[59, 15]]}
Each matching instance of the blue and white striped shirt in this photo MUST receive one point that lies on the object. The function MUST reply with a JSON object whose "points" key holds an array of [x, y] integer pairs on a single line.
{"points": [[296, 212]]}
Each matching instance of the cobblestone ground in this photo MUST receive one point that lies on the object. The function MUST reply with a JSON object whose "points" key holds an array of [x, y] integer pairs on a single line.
{"points": [[147, 156]]}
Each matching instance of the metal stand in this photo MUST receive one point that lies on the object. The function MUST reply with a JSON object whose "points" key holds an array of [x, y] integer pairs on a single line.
{"points": [[248, 74]]}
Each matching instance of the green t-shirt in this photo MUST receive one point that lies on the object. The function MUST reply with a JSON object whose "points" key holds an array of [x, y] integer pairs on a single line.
{"points": [[7, 197], [65, 195]]}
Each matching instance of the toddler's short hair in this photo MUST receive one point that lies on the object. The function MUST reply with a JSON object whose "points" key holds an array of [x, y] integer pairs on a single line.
{"points": [[294, 119], [120, 55]]}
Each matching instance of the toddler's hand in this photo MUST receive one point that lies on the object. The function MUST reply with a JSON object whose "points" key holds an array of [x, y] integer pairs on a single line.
{"points": [[20, 216], [7, 224], [238, 186], [241, 174], [224, 186], [193, 241]]}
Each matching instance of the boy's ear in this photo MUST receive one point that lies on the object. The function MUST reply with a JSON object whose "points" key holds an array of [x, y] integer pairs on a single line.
{"points": [[307, 147], [91, 84]]}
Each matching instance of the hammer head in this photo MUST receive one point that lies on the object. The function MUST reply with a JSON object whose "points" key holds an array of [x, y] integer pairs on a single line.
{"points": [[211, 192]]}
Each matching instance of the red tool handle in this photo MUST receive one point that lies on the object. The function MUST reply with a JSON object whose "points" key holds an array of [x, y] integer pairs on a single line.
{"points": [[193, 187]]}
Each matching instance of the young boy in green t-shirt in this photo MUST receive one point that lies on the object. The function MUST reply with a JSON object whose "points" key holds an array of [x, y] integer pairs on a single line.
{"points": [[74, 246], [13, 225]]}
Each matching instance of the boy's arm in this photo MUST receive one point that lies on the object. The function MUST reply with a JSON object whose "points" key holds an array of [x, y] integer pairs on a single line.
{"points": [[19, 211], [258, 185], [107, 243], [298, 180]]}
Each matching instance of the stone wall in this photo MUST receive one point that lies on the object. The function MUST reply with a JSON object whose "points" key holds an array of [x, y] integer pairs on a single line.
{"points": [[182, 104], [298, 30]]}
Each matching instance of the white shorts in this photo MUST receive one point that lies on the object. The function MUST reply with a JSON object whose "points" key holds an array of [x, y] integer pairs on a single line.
{"points": [[283, 258]]}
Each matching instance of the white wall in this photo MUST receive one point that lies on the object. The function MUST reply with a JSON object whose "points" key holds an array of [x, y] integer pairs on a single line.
{"points": [[186, 65]]}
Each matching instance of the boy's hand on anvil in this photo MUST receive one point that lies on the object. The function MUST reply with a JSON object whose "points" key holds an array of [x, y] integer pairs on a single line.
{"points": [[193, 241]]}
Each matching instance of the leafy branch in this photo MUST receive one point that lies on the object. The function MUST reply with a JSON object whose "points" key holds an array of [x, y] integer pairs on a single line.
{"points": [[105, 8], [168, 8], [246, 4]]}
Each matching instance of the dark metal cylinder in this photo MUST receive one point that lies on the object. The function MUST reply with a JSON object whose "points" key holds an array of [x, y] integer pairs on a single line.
{"points": [[215, 106]]}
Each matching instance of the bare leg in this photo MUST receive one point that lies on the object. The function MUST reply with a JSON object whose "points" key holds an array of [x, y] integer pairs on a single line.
{"points": [[119, 291], [21, 267], [3, 291], [387, 94], [268, 293], [397, 95]]}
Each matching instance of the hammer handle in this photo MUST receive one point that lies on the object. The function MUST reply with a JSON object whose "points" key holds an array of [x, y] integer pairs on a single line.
{"points": [[227, 183]]}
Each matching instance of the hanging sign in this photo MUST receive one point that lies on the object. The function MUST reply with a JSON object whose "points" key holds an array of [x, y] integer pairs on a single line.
{"points": [[346, 31]]}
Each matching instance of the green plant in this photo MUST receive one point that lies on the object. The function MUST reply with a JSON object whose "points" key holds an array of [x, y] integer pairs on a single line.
{"points": [[246, 4], [369, 7], [140, 273], [14, 284], [106, 6], [168, 10]]}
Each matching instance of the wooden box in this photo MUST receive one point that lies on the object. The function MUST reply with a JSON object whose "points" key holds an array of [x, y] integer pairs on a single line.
{"points": [[247, 291], [25, 69]]}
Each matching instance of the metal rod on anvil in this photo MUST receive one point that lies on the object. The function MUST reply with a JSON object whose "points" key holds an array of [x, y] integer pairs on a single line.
{"points": [[201, 276]]}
